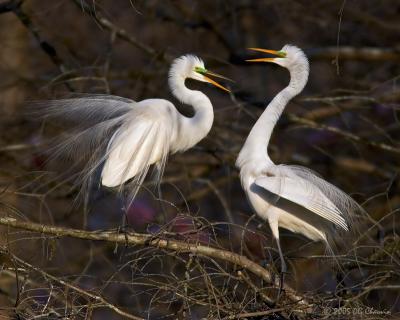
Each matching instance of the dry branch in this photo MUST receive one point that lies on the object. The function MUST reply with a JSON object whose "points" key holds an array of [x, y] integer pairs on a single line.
{"points": [[70, 286], [162, 243], [46, 47], [119, 32]]}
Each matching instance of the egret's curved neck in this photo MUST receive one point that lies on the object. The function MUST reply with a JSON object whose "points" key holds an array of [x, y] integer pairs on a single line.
{"points": [[191, 130], [256, 145]]}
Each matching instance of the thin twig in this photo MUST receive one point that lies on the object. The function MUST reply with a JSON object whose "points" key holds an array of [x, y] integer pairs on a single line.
{"points": [[71, 286], [347, 135], [119, 32]]}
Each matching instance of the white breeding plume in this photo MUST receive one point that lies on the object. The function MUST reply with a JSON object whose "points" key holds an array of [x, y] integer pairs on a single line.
{"points": [[124, 137]]}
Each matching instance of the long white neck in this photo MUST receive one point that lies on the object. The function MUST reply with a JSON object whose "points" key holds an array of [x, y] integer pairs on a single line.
{"points": [[191, 130], [255, 149]]}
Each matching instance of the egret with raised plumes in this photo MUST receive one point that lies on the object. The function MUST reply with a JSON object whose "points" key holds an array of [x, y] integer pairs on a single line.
{"points": [[124, 138]]}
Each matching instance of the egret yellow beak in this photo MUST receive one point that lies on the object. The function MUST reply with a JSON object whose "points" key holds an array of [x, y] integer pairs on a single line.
{"points": [[279, 54], [205, 73]]}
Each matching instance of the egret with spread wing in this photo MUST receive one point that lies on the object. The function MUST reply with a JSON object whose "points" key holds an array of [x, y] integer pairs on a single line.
{"points": [[291, 197], [124, 137]]}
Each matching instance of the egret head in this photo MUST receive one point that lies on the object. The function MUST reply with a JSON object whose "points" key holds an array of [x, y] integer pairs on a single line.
{"points": [[190, 66], [288, 57]]}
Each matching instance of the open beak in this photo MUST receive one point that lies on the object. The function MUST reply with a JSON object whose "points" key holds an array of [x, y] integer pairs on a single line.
{"points": [[207, 74], [279, 54]]}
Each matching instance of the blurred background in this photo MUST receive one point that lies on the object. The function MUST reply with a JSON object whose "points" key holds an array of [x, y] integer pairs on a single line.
{"points": [[344, 126]]}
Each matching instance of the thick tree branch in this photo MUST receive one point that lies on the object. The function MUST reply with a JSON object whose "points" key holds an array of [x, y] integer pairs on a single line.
{"points": [[162, 243]]}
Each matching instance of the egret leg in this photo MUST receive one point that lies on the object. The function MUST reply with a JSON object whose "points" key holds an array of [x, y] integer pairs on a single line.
{"points": [[273, 222], [283, 263], [283, 268], [124, 225]]}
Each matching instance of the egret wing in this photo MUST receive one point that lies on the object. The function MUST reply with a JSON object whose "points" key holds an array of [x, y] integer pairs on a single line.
{"points": [[141, 141], [349, 208], [305, 194]]}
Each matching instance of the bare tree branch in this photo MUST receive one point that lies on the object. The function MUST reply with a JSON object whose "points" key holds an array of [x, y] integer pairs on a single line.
{"points": [[121, 33], [345, 134], [158, 242], [46, 47], [68, 285]]}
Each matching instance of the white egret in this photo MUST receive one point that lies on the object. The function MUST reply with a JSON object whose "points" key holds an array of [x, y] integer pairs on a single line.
{"points": [[291, 197], [124, 137]]}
